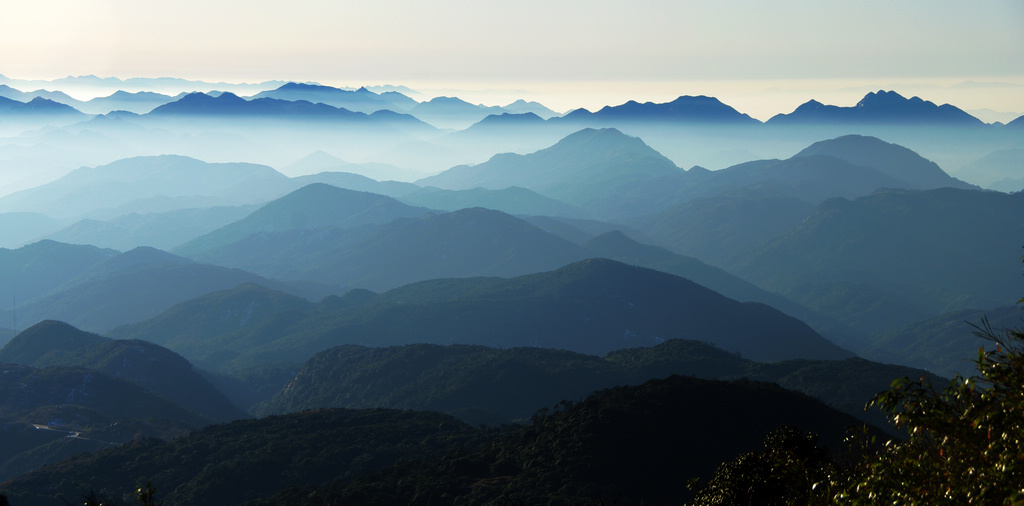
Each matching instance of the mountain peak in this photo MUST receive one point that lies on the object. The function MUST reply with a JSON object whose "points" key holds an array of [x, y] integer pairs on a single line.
{"points": [[46, 337], [890, 159], [881, 107]]}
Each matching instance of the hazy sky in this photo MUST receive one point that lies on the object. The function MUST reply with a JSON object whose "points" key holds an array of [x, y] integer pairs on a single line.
{"points": [[761, 57]]}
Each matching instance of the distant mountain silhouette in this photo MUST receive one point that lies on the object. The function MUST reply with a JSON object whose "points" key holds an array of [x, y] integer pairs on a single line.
{"points": [[93, 188], [140, 102], [999, 170], [163, 230], [593, 306], [811, 179], [54, 96], [452, 112], [945, 344], [849, 167], [52, 343], [882, 107], [505, 119], [512, 200], [685, 109], [231, 106], [311, 207], [38, 106], [468, 242], [604, 171], [361, 100], [897, 256], [19, 229], [36, 269], [358, 182], [724, 226], [317, 161], [130, 287], [892, 160], [521, 107]]}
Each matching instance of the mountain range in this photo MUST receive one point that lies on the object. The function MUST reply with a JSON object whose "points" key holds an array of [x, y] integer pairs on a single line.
{"points": [[882, 107], [336, 261], [593, 306]]}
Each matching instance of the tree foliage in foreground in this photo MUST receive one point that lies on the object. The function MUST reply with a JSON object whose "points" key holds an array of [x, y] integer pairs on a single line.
{"points": [[966, 441], [964, 445]]}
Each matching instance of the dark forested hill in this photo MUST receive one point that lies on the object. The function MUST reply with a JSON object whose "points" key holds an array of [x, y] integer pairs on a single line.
{"points": [[628, 445], [633, 443], [489, 385], [52, 413]]}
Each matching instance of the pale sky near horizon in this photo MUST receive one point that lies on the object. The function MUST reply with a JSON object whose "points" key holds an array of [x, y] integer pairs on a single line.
{"points": [[760, 57]]}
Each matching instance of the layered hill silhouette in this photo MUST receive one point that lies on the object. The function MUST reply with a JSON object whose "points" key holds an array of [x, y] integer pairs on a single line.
{"points": [[145, 364], [487, 385], [361, 100], [36, 269], [603, 171], [161, 230], [730, 212], [898, 256], [134, 286], [685, 109], [452, 112], [593, 306], [468, 242], [719, 228], [39, 107], [313, 206], [136, 179], [512, 200], [946, 344], [893, 160]]}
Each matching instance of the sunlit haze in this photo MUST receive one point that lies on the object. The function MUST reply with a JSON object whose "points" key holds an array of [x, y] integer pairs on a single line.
{"points": [[761, 58]]}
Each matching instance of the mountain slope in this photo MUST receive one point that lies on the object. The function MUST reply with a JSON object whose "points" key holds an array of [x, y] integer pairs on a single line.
{"points": [[892, 160], [685, 109], [142, 363], [93, 188], [591, 307], [627, 445], [882, 107], [313, 206], [468, 242], [36, 269], [489, 385], [130, 287], [930, 251], [603, 171]]}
